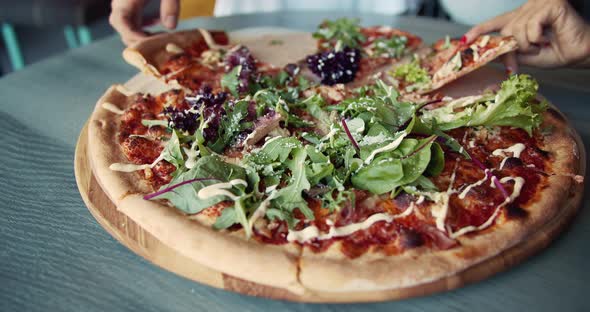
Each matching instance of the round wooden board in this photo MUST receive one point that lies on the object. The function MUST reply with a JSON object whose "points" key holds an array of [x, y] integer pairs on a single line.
{"points": [[140, 241]]}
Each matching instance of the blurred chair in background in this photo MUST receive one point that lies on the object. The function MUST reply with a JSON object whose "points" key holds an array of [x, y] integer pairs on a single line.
{"points": [[194, 8], [72, 15]]}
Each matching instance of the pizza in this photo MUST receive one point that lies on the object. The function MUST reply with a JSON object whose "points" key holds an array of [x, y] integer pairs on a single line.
{"points": [[445, 61], [329, 173]]}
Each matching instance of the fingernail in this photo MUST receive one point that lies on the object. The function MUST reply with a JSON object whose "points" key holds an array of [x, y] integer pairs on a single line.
{"points": [[463, 40], [546, 44], [509, 70], [170, 21]]}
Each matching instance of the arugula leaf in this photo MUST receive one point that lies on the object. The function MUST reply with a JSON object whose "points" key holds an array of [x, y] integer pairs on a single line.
{"points": [[185, 197], [231, 80], [393, 47], [343, 32], [231, 125], [290, 197], [275, 149], [320, 166], [172, 152], [314, 105], [512, 106], [273, 213]]}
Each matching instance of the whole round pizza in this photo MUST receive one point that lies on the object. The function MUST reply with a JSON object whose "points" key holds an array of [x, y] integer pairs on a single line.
{"points": [[332, 162]]}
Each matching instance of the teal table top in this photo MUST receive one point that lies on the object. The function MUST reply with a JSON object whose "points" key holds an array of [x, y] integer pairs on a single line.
{"points": [[55, 257]]}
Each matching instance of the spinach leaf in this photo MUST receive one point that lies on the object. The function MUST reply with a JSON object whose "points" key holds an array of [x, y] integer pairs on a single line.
{"points": [[380, 176], [437, 161], [227, 218], [186, 196]]}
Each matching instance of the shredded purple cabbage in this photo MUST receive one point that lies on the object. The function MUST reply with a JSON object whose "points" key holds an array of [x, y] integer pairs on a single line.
{"points": [[241, 56]]}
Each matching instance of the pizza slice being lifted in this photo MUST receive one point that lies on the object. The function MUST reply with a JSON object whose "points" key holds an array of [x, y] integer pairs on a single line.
{"points": [[446, 61]]}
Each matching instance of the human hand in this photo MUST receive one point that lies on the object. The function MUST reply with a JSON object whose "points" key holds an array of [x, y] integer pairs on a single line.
{"points": [[127, 18], [549, 33]]}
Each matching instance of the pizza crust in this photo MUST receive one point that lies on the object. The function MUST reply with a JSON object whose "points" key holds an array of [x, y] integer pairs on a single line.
{"points": [[104, 149]]}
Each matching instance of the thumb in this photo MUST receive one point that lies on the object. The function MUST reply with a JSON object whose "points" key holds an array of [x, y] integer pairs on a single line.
{"points": [[494, 24], [169, 10]]}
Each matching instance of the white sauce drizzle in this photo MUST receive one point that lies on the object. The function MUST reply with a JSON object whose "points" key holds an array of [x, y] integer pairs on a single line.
{"points": [[475, 50], [484, 41], [440, 208], [515, 149], [312, 232], [112, 108], [122, 89], [478, 183], [209, 40], [518, 183], [191, 156], [220, 189], [174, 48], [389, 147], [133, 167]]}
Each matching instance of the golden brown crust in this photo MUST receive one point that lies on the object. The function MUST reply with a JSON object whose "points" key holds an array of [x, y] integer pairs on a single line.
{"points": [[560, 142], [103, 148]]}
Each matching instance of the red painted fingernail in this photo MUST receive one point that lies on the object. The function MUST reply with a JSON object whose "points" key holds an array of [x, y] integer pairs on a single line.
{"points": [[546, 44], [509, 70], [463, 40]]}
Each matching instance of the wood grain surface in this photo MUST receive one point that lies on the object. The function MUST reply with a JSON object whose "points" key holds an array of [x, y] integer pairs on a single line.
{"points": [[143, 243]]}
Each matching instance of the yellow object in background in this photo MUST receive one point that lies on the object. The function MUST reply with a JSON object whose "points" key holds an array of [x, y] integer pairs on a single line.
{"points": [[194, 8]]}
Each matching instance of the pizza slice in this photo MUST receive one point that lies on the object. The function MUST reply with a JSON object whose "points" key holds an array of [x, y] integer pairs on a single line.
{"points": [[348, 52], [445, 61], [195, 58]]}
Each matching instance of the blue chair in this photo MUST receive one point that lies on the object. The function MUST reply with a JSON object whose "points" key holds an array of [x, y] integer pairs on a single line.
{"points": [[73, 15]]}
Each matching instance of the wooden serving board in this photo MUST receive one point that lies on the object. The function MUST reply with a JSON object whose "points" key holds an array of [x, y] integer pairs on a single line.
{"points": [[140, 241]]}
